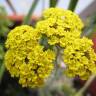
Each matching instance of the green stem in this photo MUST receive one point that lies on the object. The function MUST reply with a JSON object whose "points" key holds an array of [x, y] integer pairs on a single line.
{"points": [[2, 69], [72, 5], [28, 17], [11, 6], [87, 84], [53, 3]]}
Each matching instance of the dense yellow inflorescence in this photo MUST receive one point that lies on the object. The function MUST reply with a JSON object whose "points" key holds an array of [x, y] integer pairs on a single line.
{"points": [[30, 60], [63, 28], [60, 26], [26, 59], [19, 36], [65, 18], [80, 58]]}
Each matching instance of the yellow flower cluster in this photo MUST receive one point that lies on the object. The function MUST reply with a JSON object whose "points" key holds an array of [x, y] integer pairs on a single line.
{"points": [[65, 18], [26, 59], [22, 36], [80, 58], [32, 62], [59, 26], [63, 28]]}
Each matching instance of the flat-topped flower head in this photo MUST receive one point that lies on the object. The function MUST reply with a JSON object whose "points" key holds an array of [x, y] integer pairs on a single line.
{"points": [[21, 36], [59, 26], [31, 67], [56, 34], [69, 18], [80, 59]]}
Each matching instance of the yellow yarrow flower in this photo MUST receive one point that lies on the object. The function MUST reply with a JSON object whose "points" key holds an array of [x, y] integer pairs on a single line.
{"points": [[80, 58], [26, 59], [20, 35], [67, 17], [30, 55], [60, 26], [63, 28]]}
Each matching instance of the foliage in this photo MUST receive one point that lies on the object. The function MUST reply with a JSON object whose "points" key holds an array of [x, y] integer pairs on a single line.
{"points": [[4, 24], [4, 21]]}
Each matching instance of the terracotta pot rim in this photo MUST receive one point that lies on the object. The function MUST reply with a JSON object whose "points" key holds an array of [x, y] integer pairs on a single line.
{"points": [[21, 17]]}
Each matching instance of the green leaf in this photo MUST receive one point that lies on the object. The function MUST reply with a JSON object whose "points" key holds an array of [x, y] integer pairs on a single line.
{"points": [[1, 52], [4, 22], [2, 69]]}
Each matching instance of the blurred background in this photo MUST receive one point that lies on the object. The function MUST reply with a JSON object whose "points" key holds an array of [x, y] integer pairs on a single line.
{"points": [[22, 6], [17, 12]]}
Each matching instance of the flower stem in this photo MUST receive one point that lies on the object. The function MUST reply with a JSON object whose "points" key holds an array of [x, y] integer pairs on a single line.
{"points": [[2, 69], [31, 10], [87, 84], [72, 5], [53, 3], [11, 6]]}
